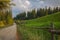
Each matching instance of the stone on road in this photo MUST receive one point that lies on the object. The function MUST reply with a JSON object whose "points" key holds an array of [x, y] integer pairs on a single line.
{"points": [[8, 33]]}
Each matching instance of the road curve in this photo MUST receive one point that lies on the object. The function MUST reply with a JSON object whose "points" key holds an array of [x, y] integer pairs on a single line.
{"points": [[8, 33]]}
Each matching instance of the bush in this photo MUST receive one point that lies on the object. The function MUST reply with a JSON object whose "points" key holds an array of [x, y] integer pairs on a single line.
{"points": [[2, 24]]}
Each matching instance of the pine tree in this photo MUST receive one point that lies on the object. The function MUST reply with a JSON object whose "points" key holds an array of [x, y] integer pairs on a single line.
{"points": [[34, 13], [49, 10], [46, 11], [57, 9]]}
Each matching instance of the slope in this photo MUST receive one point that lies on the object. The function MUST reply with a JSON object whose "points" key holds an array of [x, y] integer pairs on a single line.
{"points": [[28, 31]]}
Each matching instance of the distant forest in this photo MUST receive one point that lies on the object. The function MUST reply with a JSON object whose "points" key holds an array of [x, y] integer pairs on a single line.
{"points": [[35, 14]]}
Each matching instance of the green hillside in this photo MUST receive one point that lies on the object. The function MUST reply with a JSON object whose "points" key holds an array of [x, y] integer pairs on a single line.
{"points": [[44, 21], [27, 28]]}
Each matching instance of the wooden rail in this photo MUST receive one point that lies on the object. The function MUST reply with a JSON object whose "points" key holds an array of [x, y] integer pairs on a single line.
{"points": [[52, 30]]}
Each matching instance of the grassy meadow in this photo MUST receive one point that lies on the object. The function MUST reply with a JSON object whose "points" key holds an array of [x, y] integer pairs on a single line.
{"points": [[28, 30]]}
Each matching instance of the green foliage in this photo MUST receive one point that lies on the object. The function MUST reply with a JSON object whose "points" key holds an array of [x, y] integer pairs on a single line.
{"points": [[28, 31], [42, 21], [21, 16]]}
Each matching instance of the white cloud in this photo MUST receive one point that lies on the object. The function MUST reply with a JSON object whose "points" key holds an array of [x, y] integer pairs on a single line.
{"points": [[27, 3], [41, 2], [22, 4]]}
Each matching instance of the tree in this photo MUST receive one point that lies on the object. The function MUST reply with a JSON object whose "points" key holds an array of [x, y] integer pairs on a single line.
{"points": [[41, 12], [46, 11], [49, 10], [5, 12], [21, 16], [57, 9], [34, 13], [30, 15]]}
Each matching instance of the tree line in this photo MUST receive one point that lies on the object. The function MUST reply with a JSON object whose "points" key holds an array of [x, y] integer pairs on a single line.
{"points": [[35, 14]]}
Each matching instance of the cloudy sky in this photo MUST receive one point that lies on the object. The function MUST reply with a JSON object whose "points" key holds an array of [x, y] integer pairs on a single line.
{"points": [[25, 5]]}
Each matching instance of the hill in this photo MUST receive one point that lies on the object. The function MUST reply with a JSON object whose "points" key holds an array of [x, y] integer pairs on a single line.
{"points": [[44, 21], [27, 28]]}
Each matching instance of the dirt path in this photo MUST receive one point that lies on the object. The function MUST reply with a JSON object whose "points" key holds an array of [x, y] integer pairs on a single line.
{"points": [[8, 33]]}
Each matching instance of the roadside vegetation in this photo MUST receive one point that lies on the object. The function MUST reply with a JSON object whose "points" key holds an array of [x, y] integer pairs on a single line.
{"points": [[27, 26], [29, 31], [5, 13]]}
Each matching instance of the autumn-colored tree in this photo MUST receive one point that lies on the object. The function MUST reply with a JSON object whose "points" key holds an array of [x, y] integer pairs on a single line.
{"points": [[5, 12]]}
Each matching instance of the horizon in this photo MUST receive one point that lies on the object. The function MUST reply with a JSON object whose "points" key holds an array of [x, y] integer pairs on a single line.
{"points": [[25, 5]]}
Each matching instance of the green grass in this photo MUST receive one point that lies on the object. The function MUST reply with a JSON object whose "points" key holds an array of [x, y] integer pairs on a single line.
{"points": [[44, 21], [28, 31]]}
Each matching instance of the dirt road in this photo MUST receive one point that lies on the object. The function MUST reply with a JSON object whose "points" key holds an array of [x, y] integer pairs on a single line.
{"points": [[8, 33]]}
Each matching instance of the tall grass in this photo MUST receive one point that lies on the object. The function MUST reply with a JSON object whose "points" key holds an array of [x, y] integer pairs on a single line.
{"points": [[28, 31]]}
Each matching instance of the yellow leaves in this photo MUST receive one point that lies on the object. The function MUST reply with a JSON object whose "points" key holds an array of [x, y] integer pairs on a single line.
{"points": [[10, 21], [2, 24], [5, 19]]}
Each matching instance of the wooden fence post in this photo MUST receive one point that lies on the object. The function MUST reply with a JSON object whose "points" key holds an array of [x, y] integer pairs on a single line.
{"points": [[52, 28]]}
